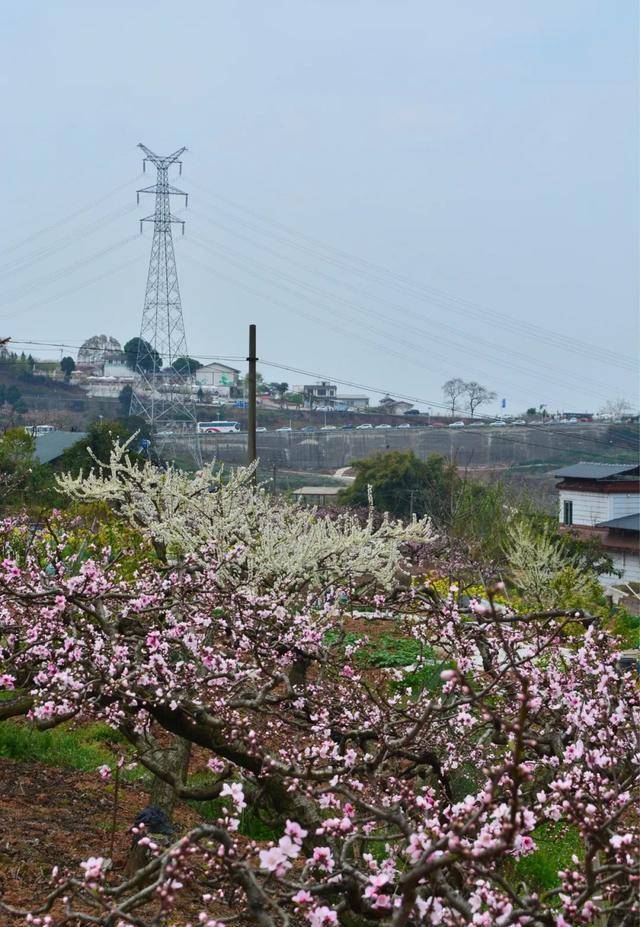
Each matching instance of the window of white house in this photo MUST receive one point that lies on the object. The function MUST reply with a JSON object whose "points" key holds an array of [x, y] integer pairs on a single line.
{"points": [[567, 515]]}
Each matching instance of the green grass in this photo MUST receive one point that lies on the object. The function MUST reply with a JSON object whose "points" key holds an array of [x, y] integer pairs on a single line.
{"points": [[556, 843], [61, 746], [251, 825], [386, 651], [83, 748], [389, 652]]}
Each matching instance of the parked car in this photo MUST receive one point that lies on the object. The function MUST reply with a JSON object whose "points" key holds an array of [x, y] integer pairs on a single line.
{"points": [[366, 425], [384, 426], [404, 425], [328, 428], [498, 424], [347, 427], [456, 425], [519, 421], [261, 428], [285, 428], [309, 428]]}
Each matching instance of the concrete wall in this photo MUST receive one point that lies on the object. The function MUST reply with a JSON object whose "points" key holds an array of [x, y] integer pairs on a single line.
{"points": [[470, 447]]}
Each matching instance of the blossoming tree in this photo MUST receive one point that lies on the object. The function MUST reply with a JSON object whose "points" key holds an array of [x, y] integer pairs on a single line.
{"points": [[398, 800]]}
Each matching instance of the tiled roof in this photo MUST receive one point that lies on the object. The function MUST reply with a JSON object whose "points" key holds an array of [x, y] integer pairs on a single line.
{"points": [[625, 522], [597, 471]]}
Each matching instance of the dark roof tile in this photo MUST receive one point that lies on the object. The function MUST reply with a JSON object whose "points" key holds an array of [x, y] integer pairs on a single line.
{"points": [[597, 471]]}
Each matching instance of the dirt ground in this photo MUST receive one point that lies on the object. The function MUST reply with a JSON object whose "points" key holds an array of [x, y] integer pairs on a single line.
{"points": [[59, 817]]}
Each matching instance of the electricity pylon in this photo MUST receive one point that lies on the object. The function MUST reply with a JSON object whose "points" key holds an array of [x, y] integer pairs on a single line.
{"points": [[162, 395]]}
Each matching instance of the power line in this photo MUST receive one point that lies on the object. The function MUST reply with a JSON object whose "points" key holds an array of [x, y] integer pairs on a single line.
{"points": [[64, 271], [381, 274], [259, 269], [26, 261], [70, 216], [81, 286]]}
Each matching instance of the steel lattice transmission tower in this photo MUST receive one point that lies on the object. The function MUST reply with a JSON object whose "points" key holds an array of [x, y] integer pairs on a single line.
{"points": [[160, 397]]}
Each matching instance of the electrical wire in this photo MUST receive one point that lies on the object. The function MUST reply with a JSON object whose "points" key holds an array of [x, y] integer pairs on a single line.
{"points": [[466, 346], [385, 276], [69, 292], [70, 216], [259, 269], [79, 235], [64, 271]]}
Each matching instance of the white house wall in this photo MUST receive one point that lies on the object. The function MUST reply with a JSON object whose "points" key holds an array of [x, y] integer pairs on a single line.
{"points": [[214, 376], [589, 508], [627, 503], [629, 565]]}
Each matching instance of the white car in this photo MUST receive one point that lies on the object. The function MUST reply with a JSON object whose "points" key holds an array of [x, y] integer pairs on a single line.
{"points": [[384, 426], [361, 427], [328, 428], [498, 424], [285, 428], [404, 425], [519, 421], [456, 425], [261, 428]]}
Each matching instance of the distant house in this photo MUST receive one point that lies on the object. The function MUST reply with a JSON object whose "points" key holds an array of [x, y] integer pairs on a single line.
{"points": [[394, 406], [118, 369], [347, 403], [603, 500], [317, 495], [322, 392], [217, 377]]}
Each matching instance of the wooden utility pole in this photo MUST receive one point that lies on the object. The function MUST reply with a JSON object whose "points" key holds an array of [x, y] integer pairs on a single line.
{"points": [[252, 451]]}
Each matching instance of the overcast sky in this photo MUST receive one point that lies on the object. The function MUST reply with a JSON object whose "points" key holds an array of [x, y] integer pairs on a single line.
{"points": [[395, 191]]}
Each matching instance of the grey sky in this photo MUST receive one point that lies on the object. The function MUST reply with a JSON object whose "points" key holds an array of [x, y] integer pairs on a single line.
{"points": [[487, 150]]}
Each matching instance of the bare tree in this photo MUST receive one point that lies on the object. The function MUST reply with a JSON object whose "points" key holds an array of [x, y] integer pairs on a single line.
{"points": [[616, 408], [477, 395], [452, 390]]}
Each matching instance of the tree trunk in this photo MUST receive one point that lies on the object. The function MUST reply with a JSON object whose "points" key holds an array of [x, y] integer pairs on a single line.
{"points": [[175, 760]]}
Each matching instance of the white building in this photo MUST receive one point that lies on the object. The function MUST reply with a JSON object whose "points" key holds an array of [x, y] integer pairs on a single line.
{"points": [[349, 403], [217, 377], [603, 501], [104, 387], [318, 393], [117, 368]]}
